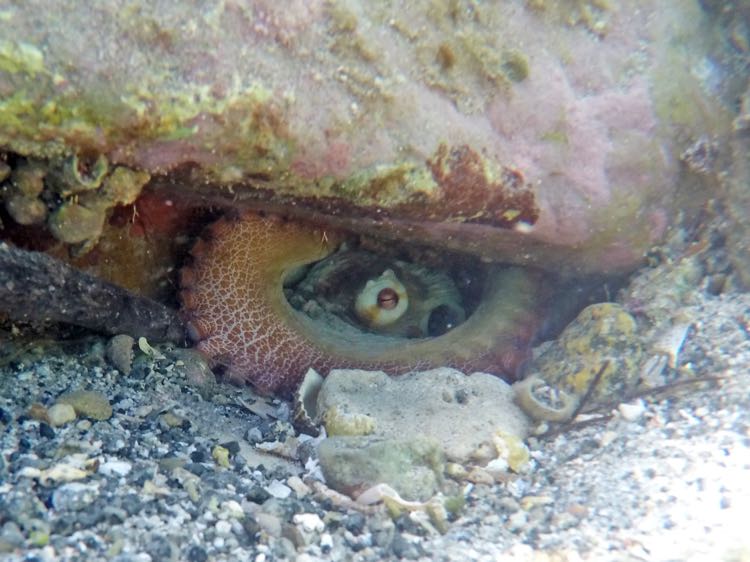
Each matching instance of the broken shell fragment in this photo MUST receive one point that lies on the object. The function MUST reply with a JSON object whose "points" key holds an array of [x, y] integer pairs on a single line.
{"points": [[670, 342], [543, 402], [305, 414]]}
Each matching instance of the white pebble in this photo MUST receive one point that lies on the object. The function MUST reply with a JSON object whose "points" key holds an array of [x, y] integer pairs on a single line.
{"points": [[278, 490], [231, 508], [60, 414], [223, 528], [326, 540], [517, 521], [310, 522], [607, 437], [119, 468], [632, 412]]}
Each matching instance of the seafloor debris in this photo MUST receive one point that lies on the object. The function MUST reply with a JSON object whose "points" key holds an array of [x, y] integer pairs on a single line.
{"points": [[37, 288]]}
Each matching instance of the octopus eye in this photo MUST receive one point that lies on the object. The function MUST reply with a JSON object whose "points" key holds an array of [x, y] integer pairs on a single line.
{"points": [[382, 301], [442, 319], [387, 299]]}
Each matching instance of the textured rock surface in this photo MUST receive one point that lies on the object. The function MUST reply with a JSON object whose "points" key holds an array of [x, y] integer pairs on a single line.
{"points": [[603, 336], [462, 413], [560, 123], [738, 189], [351, 465], [88, 404]]}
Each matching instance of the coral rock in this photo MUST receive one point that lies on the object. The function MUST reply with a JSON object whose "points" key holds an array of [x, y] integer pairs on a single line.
{"points": [[565, 127], [462, 413], [602, 334]]}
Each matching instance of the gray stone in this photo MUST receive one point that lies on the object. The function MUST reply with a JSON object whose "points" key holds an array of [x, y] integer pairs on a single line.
{"points": [[11, 537], [73, 496], [413, 467], [88, 404], [461, 413], [120, 353]]}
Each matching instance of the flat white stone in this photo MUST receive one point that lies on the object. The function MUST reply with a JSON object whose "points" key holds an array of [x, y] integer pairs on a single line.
{"points": [[115, 468]]}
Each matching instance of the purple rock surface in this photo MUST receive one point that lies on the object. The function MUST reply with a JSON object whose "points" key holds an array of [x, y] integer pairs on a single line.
{"points": [[590, 104]]}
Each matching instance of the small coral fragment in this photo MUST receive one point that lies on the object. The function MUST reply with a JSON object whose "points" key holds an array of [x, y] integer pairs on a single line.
{"points": [[123, 186], [221, 456], [72, 223]]}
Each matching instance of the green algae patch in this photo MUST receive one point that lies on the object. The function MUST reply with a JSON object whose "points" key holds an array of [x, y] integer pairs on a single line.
{"points": [[21, 58], [48, 116], [387, 185]]}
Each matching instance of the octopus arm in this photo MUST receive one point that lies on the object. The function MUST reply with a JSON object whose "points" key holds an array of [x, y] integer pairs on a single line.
{"points": [[233, 299]]}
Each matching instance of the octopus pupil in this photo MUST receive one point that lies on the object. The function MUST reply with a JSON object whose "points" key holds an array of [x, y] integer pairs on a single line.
{"points": [[387, 299]]}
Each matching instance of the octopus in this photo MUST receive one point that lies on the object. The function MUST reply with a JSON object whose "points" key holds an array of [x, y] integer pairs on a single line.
{"points": [[267, 293], [235, 298], [387, 209]]}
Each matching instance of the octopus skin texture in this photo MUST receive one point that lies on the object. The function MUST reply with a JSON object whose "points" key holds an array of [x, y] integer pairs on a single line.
{"points": [[233, 300]]}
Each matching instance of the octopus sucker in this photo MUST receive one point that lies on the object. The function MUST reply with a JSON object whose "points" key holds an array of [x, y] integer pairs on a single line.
{"points": [[233, 298]]}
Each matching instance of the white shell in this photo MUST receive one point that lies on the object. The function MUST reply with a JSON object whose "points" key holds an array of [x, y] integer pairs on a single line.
{"points": [[533, 396]]}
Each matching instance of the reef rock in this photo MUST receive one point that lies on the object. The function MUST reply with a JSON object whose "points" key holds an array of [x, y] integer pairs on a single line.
{"points": [[738, 190], [405, 431], [412, 467], [601, 347], [463, 414], [543, 133]]}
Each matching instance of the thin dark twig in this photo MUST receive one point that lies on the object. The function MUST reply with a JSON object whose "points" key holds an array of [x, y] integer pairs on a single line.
{"points": [[572, 425], [590, 390], [641, 393]]}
